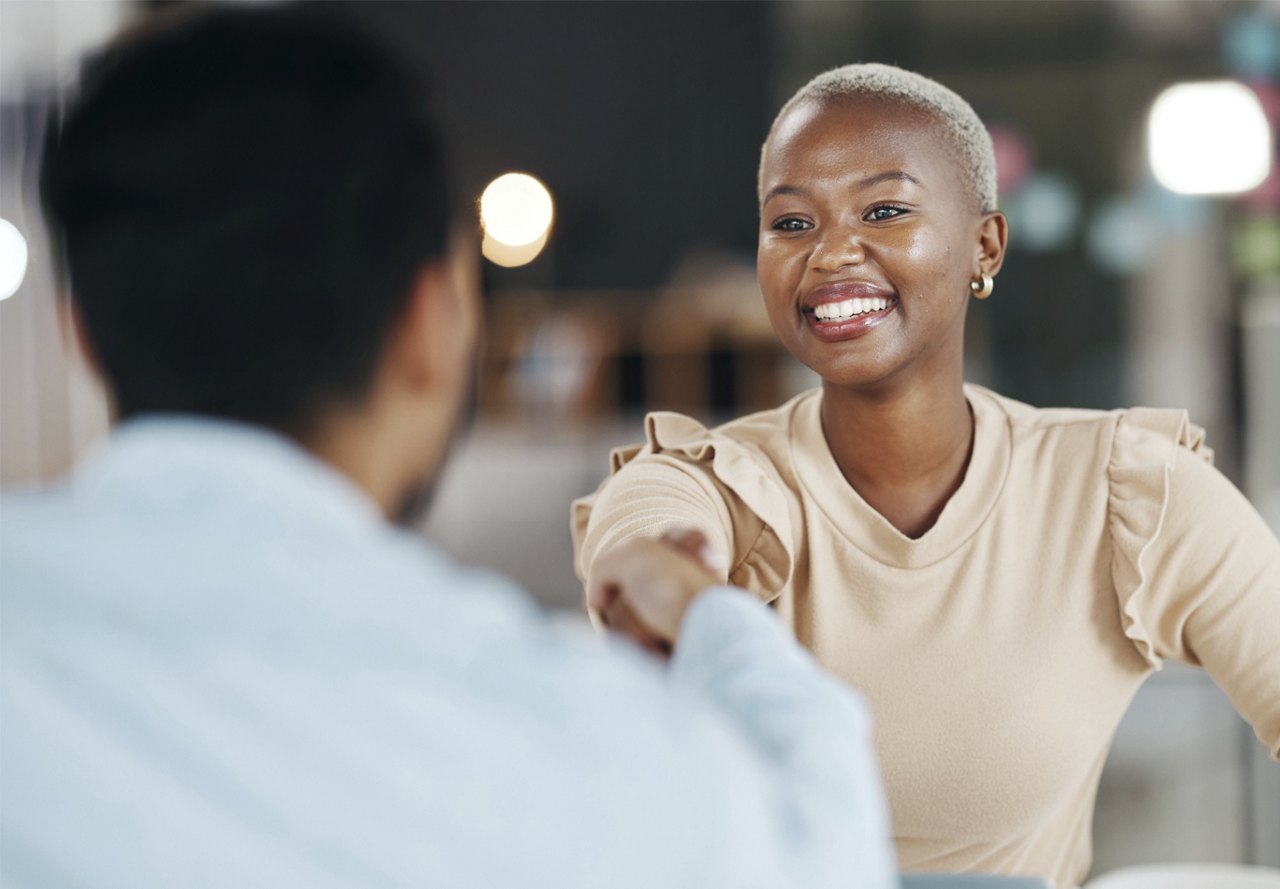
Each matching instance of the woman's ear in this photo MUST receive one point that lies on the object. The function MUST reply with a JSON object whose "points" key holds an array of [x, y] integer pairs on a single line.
{"points": [[993, 237]]}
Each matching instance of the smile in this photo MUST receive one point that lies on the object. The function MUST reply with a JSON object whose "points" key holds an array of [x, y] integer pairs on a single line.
{"points": [[849, 319], [850, 308]]}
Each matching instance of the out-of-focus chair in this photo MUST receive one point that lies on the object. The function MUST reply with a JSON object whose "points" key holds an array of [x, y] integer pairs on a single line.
{"points": [[1188, 876], [970, 881]]}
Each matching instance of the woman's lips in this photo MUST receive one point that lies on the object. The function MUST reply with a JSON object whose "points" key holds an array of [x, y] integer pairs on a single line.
{"points": [[848, 311]]}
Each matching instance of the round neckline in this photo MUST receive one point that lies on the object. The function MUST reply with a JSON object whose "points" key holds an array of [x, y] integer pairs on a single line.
{"points": [[859, 523]]}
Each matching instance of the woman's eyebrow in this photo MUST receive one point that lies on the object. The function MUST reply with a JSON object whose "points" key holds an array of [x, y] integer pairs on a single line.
{"points": [[782, 189], [873, 179], [887, 176]]}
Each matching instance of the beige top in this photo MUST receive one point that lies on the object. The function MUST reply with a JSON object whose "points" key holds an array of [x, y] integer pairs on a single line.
{"points": [[999, 650]]}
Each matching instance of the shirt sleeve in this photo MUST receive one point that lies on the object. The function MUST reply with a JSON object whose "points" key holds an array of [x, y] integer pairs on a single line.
{"points": [[688, 476], [646, 498], [803, 721], [1197, 569], [765, 765]]}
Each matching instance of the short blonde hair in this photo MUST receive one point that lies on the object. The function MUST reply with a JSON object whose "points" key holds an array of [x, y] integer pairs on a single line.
{"points": [[969, 137]]}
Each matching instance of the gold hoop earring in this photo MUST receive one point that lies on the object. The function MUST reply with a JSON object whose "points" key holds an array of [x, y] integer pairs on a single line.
{"points": [[982, 289]]}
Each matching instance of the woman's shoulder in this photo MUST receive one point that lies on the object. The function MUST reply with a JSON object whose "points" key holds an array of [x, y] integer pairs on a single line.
{"points": [[1023, 417], [740, 464], [1120, 437], [760, 436], [1138, 461]]}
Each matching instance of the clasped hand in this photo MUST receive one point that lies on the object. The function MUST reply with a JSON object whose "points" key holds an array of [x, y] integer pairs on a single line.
{"points": [[642, 588]]}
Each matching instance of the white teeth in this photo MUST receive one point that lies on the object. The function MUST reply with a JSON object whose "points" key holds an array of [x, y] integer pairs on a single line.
{"points": [[849, 307]]}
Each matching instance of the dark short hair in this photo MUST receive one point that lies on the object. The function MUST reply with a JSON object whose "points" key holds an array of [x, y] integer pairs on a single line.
{"points": [[243, 198]]}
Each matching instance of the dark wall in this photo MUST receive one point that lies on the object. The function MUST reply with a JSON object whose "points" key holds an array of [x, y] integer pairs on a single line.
{"points": [[644, 120]]}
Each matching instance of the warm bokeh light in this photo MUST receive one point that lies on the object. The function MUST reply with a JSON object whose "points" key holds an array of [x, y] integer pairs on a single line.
{"points": [[516, 212], [1209, 138], [13, 259], [512, 255]]}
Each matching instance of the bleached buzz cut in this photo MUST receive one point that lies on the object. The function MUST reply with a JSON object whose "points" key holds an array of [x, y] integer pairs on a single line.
{"points": [[969, 137]]}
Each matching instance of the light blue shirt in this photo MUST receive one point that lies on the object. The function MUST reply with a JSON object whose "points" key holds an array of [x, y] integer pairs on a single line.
{"points": [[219, 667]]}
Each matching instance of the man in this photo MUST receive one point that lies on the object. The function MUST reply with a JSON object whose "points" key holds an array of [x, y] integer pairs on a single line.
{"points": [[223, 666]]}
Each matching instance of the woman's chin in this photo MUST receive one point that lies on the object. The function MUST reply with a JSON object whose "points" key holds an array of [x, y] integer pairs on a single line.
{"points": [[855, 374]]}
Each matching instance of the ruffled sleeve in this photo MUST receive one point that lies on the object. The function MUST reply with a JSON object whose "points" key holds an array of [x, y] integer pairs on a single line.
{"points": [[687, 475], [1146, 446], [1196, 569]]}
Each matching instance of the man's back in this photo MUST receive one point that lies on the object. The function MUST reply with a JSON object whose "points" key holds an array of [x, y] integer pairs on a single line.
{"points": [[221, 667], [219, 663]]}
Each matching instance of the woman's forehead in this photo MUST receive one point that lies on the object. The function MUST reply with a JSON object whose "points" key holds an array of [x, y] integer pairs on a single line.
{"points": [[855, 124], [857, 136]]}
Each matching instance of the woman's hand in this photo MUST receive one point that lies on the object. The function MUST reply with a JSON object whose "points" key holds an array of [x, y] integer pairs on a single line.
{"points": [[643, 588]]}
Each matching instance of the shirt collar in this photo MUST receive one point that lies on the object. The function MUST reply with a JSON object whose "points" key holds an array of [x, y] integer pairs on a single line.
{"points": [[961, 517]]}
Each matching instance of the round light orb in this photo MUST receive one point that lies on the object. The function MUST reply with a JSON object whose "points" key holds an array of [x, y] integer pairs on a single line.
{"points": [[1015, 158], [1175, 212], [1255, 247], [1044, 213], [1209, 138], [1251, 43], [516, 209], [13, 259], [1121, 235], [508, 255]]}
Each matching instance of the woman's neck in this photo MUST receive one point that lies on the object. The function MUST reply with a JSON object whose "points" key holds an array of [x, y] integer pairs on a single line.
{"points": [[903, 449]]}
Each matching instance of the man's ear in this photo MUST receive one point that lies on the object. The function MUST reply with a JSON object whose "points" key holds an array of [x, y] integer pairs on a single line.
{"points": [[76, 337], [433, 328]]}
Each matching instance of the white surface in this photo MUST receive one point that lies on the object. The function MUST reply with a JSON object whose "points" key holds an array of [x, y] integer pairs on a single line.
{"points": [[1189, 876]]}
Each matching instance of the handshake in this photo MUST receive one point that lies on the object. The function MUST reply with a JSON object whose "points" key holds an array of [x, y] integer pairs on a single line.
{"points": [[642, 588]]}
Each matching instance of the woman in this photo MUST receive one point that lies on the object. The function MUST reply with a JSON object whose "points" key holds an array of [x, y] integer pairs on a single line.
{"points": [[997, 579]]}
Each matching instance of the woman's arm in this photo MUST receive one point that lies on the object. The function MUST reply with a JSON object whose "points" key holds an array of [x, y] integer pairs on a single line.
{"points": [[1215, 592], [648, 497]]}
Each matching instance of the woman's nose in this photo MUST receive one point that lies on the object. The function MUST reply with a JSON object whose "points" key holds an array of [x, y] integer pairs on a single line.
{"points": [[838, 248]]}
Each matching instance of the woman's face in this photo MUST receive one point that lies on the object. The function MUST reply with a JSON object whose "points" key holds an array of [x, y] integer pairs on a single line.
{"points": [[868, 241]]}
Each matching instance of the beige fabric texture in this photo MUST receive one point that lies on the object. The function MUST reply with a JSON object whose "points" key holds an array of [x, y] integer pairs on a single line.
{"points": [[999, 650]]}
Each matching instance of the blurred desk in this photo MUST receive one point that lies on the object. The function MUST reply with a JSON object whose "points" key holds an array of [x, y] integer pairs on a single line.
{"points": [[504, 499], [1186, 781]]}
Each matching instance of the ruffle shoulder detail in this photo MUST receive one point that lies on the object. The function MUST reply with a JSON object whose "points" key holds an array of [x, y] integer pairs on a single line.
{"points": [[742, 472], [1146, 445]]}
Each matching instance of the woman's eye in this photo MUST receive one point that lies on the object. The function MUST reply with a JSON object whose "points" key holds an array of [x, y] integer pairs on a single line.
{"points": [[791, 224], [880, 214]]}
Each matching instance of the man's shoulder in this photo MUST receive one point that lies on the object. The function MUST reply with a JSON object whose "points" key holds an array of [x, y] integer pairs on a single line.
{"points": [[69, 555], [37, 528]]}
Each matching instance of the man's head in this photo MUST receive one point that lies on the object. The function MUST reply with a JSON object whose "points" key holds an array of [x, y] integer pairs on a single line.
{"points": [[254, 210]]}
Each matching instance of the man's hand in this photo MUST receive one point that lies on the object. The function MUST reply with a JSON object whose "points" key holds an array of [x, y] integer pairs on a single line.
{"points": [[642, 588]]}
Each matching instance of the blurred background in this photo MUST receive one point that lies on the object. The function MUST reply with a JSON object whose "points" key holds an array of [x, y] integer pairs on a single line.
{"points": [[620, 270]]}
